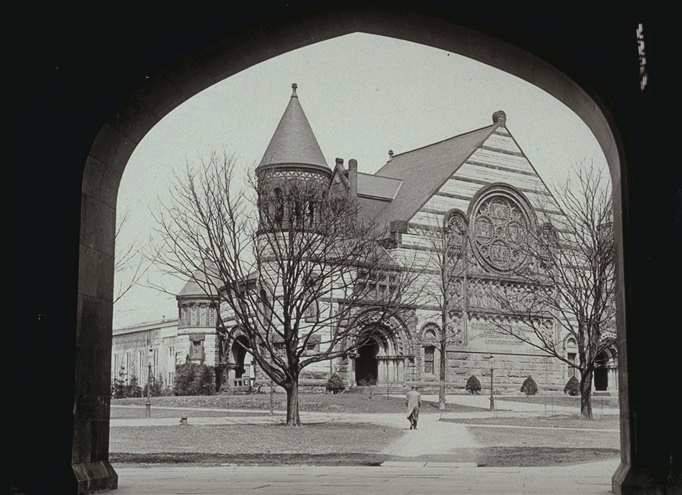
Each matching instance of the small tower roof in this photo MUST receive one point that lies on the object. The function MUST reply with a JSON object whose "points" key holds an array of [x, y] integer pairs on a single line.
{"points": [[193, 290], [293, 142]]}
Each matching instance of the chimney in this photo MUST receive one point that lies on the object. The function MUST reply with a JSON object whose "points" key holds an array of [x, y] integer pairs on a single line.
{"points": [[353, 177]]}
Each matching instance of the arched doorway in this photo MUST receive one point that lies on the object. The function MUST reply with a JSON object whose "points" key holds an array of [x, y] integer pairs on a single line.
{"points": [[366, 364], [239, 347]]}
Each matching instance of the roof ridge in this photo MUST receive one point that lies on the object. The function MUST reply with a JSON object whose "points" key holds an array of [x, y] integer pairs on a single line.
{"points": [[435, 143]]}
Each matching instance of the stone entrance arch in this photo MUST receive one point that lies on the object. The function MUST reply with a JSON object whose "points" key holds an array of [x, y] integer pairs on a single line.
{"points": [[87, 133], [380, 359], [367, 364]]}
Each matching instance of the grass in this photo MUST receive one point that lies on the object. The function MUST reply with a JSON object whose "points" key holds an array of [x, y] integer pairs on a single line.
{"points": [[566, 439], [245, 439], [558, 421], [139, 412], [347, 403], [564, 400]]}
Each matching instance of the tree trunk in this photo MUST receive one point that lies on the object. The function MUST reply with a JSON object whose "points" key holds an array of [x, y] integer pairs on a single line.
{"points": [[441, 389], [293, 417], [586, 394]]}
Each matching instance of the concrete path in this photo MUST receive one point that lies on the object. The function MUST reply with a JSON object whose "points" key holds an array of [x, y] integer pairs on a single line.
{"points": [[581, 479], [432, 437]]}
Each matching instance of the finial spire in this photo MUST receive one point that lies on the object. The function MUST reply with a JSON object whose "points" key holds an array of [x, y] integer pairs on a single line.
{"points": [[294, 86]]}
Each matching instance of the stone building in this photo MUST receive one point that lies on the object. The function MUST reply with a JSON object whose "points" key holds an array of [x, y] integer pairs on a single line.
{"points": [[482, 177]]}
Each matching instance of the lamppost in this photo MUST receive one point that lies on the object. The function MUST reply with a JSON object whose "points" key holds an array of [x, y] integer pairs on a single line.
{"points": [[148, 404], [492, 368]]}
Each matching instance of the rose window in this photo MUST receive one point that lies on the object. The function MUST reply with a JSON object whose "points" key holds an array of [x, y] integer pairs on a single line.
{"points": [[499, 226]]}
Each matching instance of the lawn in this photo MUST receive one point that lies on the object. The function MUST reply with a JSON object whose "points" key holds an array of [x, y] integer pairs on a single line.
{"points": [[139, 412], [564, 400], [520, 437], [347, 402], [245, 439], [558, 421]]}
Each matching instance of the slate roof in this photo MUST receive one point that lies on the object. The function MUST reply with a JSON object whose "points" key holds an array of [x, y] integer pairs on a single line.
{"points": [[293, 141], [378, 187], [424, 170], [192, 289]]}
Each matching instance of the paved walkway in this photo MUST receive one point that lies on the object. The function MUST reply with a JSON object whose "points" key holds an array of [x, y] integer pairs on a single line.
{"points": [[432, 437], [583, 479]]}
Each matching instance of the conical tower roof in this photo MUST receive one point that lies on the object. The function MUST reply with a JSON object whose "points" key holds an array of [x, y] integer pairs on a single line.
{"points": [[293, 142]]}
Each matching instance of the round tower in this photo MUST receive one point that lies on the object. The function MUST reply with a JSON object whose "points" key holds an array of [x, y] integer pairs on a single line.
{"points": [[197, 320], [293, 174]]}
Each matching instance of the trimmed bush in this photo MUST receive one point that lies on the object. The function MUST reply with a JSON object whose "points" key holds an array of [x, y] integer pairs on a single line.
{"points": [[572, 386], [473, 386], [529, 387], [133, 389], [156, 387], [194, 379], [118, 388], [335, 384]]}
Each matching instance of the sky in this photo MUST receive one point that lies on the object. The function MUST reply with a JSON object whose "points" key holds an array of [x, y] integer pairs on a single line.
{"points": [[363, 95]]}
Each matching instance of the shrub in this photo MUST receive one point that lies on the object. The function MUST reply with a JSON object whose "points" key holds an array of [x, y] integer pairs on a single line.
{"points": [[194, 379], [133, 389], [529, 387], [206, 379], [473, 386], [118, 389], [335, 384], [572, 386], [156, 387]]}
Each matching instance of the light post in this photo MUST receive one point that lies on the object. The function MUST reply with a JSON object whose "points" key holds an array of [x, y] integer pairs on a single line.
{"points": [[492, 368], [148, 404]]}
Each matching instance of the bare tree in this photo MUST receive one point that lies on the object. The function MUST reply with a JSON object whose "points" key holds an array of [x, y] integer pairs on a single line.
{"points": [[291, 266], [570, 279], [131, 262], [444, 282]]}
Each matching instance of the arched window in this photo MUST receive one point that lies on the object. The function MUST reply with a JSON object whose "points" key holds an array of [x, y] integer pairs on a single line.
{"points": [[429, 349], [310, 213], [429, 358], [279, 206]]}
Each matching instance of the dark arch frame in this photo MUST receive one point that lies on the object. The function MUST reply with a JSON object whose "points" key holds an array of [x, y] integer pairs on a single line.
{"points": [[462, 41], [93, 128]]}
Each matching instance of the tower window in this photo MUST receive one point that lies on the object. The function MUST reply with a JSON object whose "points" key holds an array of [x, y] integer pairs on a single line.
{"points": [[279, 206]]}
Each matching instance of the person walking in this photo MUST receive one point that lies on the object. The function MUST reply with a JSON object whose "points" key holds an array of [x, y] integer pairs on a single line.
{"points": [[414, 402]]}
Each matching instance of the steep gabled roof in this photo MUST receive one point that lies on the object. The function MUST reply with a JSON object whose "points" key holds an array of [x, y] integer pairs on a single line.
{"points": [[293, 141], [424, 170]]}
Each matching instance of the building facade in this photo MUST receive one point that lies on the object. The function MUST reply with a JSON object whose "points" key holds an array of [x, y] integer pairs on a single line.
{"points": [[482, 178]]}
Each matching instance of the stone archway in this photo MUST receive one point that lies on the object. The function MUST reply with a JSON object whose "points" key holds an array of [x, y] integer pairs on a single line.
{"points": [[156, 88], [239, 346], [367, 364]]}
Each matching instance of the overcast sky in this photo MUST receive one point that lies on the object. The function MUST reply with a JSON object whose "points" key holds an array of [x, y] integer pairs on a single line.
{"points": [[363, 95]]}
